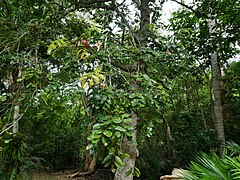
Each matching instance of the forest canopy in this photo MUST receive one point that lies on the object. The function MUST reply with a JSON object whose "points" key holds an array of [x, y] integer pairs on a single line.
{"points": [[96, 84]]}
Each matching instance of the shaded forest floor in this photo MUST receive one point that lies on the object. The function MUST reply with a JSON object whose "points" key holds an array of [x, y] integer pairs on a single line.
{"points": [[100, 174]]}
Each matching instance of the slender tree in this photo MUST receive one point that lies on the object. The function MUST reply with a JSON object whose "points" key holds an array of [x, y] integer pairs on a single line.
{"points": [[217, 92], [209, 14]]}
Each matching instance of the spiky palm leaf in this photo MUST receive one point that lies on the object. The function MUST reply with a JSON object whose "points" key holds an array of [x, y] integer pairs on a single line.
{"points": [[213, 167], [234, 147], [208, 167], [234, 160]]}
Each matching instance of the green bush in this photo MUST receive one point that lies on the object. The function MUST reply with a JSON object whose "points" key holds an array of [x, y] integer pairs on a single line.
{"points": [[12, 156]]}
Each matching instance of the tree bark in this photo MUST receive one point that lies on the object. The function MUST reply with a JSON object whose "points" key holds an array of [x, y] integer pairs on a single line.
{"points": [[145, 20], [217, 94], [129, 147], [90, 164], [16, 115], [216, 82], [145, 15], [15, 87]]}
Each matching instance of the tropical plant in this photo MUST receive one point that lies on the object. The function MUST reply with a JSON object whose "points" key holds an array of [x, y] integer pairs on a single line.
{"points": [[214, 167], [12, 155], [67, 66]]}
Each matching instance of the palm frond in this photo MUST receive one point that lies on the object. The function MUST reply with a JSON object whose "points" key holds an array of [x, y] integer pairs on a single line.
{"points": [[213, 167], [209, 167], [188, 175], [233, 147]]}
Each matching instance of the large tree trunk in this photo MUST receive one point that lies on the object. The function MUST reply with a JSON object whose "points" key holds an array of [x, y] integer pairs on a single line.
{"points": [[145, 20], [217, 95], [129, 147], [145, 14]]}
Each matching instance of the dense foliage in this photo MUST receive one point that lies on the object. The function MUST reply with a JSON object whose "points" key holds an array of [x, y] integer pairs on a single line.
{"points": [[84, 80]]}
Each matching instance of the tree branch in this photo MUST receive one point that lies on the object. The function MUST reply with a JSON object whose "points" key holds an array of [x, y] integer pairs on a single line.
{"points": [[97, 6], [197, 13], [184, 5], [5, 128], [97, 1], [94, 4], [134, 37]]}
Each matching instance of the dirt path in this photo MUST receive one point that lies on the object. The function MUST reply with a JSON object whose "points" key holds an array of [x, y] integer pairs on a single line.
{"points": [[100, 174]]}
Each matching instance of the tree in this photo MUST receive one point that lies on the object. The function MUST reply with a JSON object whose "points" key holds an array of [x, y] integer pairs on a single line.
{"points": [[69, 68], [216, 75], [208, 18]]}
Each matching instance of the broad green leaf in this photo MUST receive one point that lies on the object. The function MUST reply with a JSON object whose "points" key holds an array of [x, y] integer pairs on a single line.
{"points": [[119, 128], [125, 155], [96, 136], [108, 163], [107, 133], [96, 79], [128, 134], [132, 96], [128, 127], [119, 161], [102, 77], [93, 137], [117, 165], [104, 141], [135, 102], [107, 122], [125, 115], [128, 120], [95, 141], [137, 172], [7, 141], [129, 172], [111, 150], [97, 126], [103, 98], [97, 131], [117, 120], [107, 158], [117, 134], [3, 98]]}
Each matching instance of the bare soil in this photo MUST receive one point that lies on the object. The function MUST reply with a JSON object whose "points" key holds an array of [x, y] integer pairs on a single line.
{"points": [[100, 174]]}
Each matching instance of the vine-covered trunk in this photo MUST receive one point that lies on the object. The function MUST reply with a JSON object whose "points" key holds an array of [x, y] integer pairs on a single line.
{"points": [[217, 95], [90, 164], [129, 147]]}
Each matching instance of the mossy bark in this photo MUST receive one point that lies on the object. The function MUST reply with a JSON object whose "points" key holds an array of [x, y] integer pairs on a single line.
{"points": [[129, 147]]}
